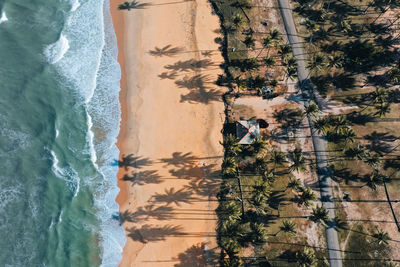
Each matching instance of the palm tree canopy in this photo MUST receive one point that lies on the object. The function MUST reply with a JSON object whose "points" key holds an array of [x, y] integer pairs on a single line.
{"points": [[381, 237], [288, 227], [312, 109], [319, 215], [306, 196], [294, 184], [306, 258], [298, 159], [374, 179]]}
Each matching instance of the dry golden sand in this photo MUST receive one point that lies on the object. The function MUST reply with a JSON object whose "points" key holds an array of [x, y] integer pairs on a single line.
{"points": [[172, 116]]}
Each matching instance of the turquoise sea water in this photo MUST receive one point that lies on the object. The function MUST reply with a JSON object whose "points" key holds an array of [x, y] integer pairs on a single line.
{"points": [[59, 118]]}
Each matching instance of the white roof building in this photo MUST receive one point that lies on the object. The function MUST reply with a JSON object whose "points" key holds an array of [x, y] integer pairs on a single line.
{"points": [[247, 131]]}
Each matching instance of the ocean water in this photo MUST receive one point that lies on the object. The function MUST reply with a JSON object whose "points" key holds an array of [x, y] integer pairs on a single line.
{"points": [[59, 119]]}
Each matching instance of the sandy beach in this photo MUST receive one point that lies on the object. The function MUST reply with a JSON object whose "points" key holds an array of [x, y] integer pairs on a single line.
{"points": [[172, 116]]}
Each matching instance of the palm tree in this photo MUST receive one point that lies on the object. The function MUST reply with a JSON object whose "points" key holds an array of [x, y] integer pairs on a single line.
{"points": [[335, 61], [273, 83], [231, 145], [288, 227], [381, 237], [269, 62], [373, 179], [357, 152], [312, 109], [321, 125], [284, 51], [291, 73], [259, 233], [298, 159], [275, 36], [229, 166], [267, 43], [278, 158], [261, 188], [319, 215], [242, 5], [378, 96], [306, 196], [317, 63], [249, 41], [261, 164], [373, 160], [258, 145], [348, 134], [237, 20], [312, 27], [269, 177], [229, 211], [339, 224], [382, 109], [306, 258], [230, 245], [294, 184]]}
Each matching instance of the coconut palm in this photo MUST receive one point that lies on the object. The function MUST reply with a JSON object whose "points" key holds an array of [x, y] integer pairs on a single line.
{"points": [[275, 36], [294, 184], [319, 215], [261, 164], [382, 237], [394, 74], [373, 160], [269, 177], [266, 43], [339, 123], [306, 196], [339, 224], [261, 188], [242, 5], [249, 41], [230, 245], [290, 73], [288, 227], [284, 51], [321, 125], [312, 27], [278, 158], [335, 61], [382, 109], [258, 145], [231, 145], [348, 135], [269, 62], [229, 211], [357, 152], [379, 95], [306, 258], [229, 166], [237, 20], [317, 63], [259, 233], [373, 180], [312, 109], [298, 159]]}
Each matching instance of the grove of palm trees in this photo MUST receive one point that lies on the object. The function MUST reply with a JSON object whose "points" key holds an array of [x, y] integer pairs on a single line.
{"points": [[270, 210]]}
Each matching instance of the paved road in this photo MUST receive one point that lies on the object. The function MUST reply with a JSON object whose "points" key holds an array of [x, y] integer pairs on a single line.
{"points": [[324, 175]]}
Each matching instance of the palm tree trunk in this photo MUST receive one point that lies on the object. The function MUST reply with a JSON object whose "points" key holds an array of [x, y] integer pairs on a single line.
{"points": [[240, 190], [244, 13], [390, 204]]}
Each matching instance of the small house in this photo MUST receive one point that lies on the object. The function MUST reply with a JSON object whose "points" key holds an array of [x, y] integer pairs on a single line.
{"points": [[247, 131]]}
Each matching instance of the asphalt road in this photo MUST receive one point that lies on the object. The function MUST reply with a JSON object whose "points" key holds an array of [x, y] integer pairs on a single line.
{"points": [[324, 174]]}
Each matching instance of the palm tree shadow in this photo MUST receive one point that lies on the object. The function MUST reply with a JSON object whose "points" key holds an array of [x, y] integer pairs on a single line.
{"points": [[194, 82], [380, 142], [133, 5], [202, 96], [180, 159], [168, 75], [190, 65], [132, 161], [170, 196], [143, 177], [149, 233], [167, 50], [147, 212], [197, 256]]}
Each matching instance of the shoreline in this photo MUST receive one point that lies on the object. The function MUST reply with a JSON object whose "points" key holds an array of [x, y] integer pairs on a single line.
{"points": [[179, 119]]}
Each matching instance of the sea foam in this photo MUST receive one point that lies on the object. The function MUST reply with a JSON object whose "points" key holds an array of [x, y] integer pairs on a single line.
{"points": [[91, 70], [56, 51], [3, 17]]}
